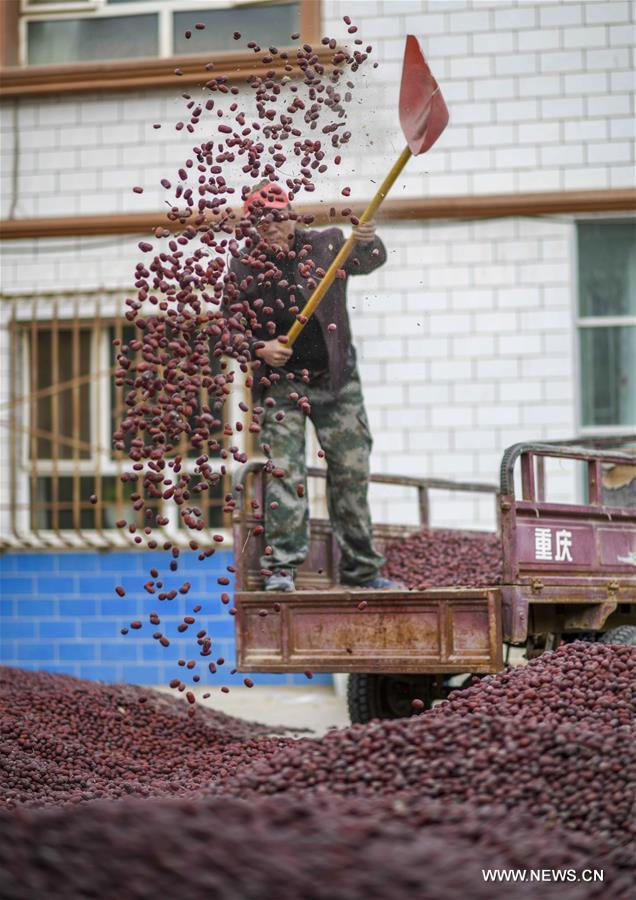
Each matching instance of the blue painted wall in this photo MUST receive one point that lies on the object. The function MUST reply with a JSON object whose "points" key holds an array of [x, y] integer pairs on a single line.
{"points": [[59, 612]]}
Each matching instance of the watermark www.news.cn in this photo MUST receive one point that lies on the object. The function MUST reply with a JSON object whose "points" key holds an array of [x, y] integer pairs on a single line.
{"points": [[553, 875]]}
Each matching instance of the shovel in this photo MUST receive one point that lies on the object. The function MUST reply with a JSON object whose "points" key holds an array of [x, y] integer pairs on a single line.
{"points": [[423, 117]]}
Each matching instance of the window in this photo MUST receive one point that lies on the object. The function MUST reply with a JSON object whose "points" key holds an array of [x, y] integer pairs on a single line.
{"points": [[269, 23], [51, 47], [55, 32], [607, 325], [62, 408]]}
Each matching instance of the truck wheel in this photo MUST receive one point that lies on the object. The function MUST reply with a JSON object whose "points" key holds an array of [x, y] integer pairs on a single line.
{"points": [[624, 634], [378, 696]]}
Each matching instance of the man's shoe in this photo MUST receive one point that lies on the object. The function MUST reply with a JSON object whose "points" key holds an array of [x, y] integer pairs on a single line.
{"points": [[280, 582], [381, 584]]}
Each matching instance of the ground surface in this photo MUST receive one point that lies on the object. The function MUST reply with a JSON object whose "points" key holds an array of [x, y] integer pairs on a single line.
{"points": [[318, 708]]}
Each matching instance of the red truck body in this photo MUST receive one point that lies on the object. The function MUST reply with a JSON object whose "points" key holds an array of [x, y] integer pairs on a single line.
{"points": [[567, 569]]}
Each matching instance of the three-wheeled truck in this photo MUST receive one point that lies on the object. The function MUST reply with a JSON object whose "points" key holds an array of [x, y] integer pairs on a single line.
{"points": [[569, 572]]}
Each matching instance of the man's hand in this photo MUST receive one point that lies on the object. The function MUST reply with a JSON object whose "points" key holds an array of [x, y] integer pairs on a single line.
{"points": [[274, 353], [364, 234]]}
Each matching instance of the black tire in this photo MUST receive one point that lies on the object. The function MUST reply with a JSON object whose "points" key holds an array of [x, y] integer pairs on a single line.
{"points": [[624, 634], [589, 637], [379, 696]]}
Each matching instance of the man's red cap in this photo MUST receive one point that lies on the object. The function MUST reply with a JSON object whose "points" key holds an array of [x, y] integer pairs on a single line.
{"points": [[271, 196]]}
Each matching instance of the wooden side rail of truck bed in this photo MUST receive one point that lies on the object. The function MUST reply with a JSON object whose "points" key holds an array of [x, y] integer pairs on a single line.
{"points": [[320, 570]]}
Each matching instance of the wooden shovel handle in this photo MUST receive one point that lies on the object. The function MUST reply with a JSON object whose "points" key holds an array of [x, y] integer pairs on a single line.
{"points": [[345, 251]]}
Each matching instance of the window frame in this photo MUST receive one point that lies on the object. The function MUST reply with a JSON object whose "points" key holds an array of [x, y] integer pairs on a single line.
{"points": [[57, 6], [20, 79], [585, 322]]}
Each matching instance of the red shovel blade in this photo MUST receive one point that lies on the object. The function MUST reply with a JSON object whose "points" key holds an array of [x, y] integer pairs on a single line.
{"points": [[423, 112]]}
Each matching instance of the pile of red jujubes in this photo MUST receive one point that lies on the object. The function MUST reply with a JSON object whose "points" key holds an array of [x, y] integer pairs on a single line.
{"points": [[63, 740], [512, 750], [531, 768], [193, 328], [580, 779], [582, 683], [289, 849], [439, 558]]}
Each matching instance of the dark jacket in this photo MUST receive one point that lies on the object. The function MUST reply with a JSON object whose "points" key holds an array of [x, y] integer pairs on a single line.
{"points": [[333, 307]]}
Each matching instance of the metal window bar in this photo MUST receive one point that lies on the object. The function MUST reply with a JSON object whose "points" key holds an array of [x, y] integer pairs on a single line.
{"points": [[58, 411]]}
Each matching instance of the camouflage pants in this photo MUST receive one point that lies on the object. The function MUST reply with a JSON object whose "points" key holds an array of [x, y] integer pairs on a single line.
{"points": [[343, 432]]}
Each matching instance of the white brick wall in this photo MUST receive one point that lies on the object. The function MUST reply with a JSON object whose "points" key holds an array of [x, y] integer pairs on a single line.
{"points": [[506, 356], [465, 337], [518, 79]]}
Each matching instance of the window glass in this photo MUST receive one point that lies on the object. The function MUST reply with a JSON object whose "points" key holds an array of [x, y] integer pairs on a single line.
{"points": [[270, 25], [607, 268], [608, 375], [90, 39], [125, 334], [61, 419], [63, 503], [211, 501]]}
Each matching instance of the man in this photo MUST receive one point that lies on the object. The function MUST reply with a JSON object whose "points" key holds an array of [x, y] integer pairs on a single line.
{"points": [[274, 278]]}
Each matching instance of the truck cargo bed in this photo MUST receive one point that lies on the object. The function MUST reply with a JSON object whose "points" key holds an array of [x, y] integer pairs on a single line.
{"points": [[568, 568]]}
